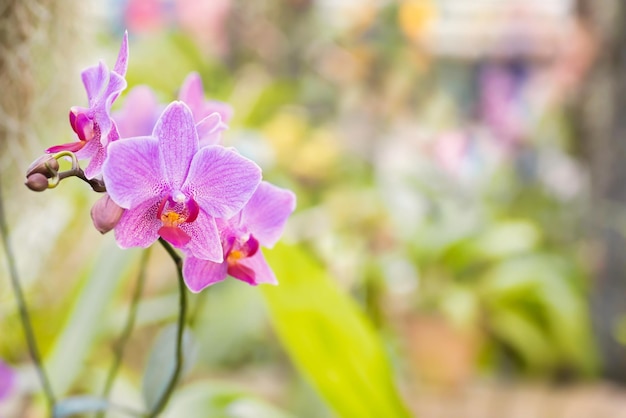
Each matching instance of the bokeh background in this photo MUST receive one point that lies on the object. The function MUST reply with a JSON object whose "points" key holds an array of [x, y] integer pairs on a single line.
{"points": [[458, 245]]}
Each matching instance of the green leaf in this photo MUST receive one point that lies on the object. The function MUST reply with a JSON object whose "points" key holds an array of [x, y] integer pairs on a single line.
{"points": [[162, 361], [329, 339], [219, 400], [71, 348], [79, 405], [75, 405]]}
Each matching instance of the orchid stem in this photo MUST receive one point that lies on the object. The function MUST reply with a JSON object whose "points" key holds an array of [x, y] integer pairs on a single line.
{"points": [[130, 323], [182, 313], [27, 326]]}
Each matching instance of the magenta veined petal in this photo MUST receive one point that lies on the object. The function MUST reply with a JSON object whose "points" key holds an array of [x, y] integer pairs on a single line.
{"points": [[131, 171], [70, 146], [174, 235], [263, 274], [199, 274], [221, 180], [205, 238], [241, 272], [95, 79], [121, 64], [178, 143], [138, 227], [266, 213]]}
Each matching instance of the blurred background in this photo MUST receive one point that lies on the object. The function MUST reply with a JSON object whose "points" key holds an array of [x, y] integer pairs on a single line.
{"points": [[458, 245]]}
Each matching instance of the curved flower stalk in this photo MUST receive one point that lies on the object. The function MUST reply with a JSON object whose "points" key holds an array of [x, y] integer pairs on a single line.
{"points": [[93, 125], [172, 188], [260, 222]]}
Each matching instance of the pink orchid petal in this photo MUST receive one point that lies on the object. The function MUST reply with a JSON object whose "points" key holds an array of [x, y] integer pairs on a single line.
{"points": [[243, 273], [266, 213], [121, 64], [81, 123], [221, 181], [95, 80], [224, 109], [174, 235], [210, 129], [8, 380], [205, 238], [263, 274], [70, 146], [131, 171], [198, 274], [139, 113], [178, 142], [97, 154], [192, 93], [138, 227]]}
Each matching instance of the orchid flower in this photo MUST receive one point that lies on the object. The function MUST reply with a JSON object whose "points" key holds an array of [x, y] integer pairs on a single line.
{"points": [[260, 222], [192, 93], [93, 125], [7, 380], [173, 189], [139, 113]]}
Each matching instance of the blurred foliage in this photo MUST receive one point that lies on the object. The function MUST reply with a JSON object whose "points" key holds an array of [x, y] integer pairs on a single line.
{"points": [[455, 227]]}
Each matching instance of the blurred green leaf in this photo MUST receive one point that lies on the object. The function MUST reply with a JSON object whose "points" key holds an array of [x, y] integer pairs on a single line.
{"points": [[66, 359], [329, 339], [219, 400], [79, 404], [507, 238], [274, 96], [162, 362], [523, 334]]}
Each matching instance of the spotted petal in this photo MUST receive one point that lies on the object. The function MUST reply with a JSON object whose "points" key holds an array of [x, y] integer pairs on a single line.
{"points": [[138, 227], [205, 239]]}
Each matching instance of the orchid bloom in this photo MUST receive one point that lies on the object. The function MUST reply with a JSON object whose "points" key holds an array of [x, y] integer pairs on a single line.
{"points": [[172, 188], [192, 93], [139, 113], [260, 222], [93, 125], [7, 380]]}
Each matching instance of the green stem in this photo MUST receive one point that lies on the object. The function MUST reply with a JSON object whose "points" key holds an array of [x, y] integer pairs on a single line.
{"points": [[27, 326], [130, 323], [182, 313]]}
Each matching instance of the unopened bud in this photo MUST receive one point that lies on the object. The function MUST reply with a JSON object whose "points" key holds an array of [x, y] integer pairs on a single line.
{"points": [[105, 214], [46, 165], [37, 182]]}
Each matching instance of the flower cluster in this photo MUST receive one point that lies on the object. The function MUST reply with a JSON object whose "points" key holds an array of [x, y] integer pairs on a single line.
{"points": [[167, 176]]}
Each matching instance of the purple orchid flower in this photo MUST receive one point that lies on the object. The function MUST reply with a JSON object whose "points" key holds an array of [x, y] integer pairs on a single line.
{"points": [[8, 380], [139, 113], [93, 125], [260, 222], [172, 188], [192, 93]]}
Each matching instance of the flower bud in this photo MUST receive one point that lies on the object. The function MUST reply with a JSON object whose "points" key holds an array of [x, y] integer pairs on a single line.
{"points": [[105, 214], [37, 182], [43, 165]]}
